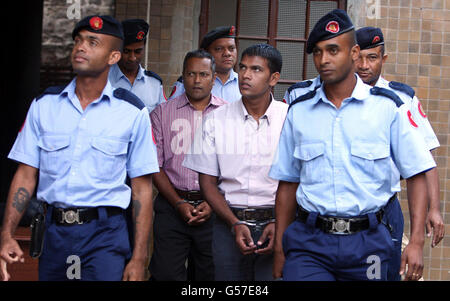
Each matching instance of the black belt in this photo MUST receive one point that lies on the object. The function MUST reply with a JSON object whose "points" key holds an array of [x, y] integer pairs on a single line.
{"points": [[77, 216], [190, 195], [253, 214], [337, 225]]}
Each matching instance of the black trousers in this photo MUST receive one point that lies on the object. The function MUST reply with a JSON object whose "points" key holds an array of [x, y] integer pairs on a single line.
{"points": [[175, 242]]}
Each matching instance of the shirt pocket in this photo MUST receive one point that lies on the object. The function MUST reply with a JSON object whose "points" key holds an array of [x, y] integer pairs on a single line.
{"points": [[54, 159], [312, 162], [371, 161], [109, 158]]}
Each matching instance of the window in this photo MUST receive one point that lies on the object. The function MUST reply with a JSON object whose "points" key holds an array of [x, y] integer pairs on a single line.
{"points": [[284, 24]]}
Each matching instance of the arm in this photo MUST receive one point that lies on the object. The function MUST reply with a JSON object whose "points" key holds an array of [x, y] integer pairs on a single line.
{"points": [[285, 206], [412, 255], [208, 185], [142, 215], [20, 192], [434, 218]]}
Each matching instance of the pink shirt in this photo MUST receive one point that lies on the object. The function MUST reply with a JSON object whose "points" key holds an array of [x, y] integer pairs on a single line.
{"points": [[174, 123], [238, 150]]}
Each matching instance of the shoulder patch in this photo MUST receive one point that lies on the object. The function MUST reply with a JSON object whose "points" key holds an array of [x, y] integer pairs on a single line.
{"points": [[129, 97], [387, 93], [303, 84], [303, 97], [54, 90], [402, 88], [180, 79], [153, 74]]}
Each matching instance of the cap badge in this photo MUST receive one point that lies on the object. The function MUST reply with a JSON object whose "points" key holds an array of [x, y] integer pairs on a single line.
{"points": [[140, 35], [332, 27], [232, 31], [96, 23], [376, 39]]}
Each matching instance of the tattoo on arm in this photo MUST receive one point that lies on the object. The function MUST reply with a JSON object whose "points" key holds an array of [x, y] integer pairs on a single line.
{"points": [[137, 208], [20, 199]]}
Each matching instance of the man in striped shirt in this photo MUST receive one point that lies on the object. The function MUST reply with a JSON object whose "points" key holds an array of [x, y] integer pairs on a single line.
{"points": [[183, 223]]}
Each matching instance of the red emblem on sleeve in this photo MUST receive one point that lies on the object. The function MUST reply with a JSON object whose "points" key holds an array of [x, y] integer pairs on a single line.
{"points": [[21, 128], [96, 23], [421, 112], [332, 27], [411, 120], [284, 100], [376, 40], [140, 35]]}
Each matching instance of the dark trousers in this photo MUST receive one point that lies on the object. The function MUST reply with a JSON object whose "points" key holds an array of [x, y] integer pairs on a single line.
{"points": [[313, 255], [393, 217], [230, 264], [97, 250], [175, 241]]}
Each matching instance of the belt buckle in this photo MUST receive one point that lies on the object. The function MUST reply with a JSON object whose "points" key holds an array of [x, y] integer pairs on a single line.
{"points": [[195, 203], [244, 214], [340, 226], [191, 193], [71, 216]]}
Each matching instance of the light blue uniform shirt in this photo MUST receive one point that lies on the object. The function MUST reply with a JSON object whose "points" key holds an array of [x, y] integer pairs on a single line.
{"points": [[148, 88], [341, 157], [83, 157], [228, 91]]}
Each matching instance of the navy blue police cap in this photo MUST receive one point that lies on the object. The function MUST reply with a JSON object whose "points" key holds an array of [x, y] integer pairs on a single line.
{"points": [[99, 24], [135, 30], [329, 26], [218, 33], [369, 37]]}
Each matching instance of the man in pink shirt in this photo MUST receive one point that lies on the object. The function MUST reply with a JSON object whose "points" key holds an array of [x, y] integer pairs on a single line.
{"points": [[233, 154], [183, 223]]}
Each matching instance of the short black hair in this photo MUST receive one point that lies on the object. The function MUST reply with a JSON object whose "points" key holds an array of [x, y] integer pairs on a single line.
{"points": [[270, 53], [200, 54]]}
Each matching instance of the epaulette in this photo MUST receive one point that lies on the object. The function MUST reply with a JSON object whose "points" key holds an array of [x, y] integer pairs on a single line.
{"points": [[129, 97], [54, 90], [180, 79], [303, 84], [303, 97], [153, 74], [402, 88], [387, 93]]}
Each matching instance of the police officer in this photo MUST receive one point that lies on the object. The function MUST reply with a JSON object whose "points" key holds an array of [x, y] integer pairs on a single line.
{"points": [[334, 161], [220, 43], [369, 65], [128, 72], [81, 141]]}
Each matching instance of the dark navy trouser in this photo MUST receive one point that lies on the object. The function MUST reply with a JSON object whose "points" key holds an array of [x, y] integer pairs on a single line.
{"points": [[313, 255], [393, 216], [97, 250], [230, 264]]}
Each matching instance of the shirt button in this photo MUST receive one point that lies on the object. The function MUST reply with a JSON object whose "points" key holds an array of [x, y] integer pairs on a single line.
{"points": [[73, 173], [338, 119]]}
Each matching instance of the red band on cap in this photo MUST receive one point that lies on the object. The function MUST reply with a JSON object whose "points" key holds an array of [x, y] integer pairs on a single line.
{"points": [[376, 39], [332, 27], [232, 31], [96, 23]]}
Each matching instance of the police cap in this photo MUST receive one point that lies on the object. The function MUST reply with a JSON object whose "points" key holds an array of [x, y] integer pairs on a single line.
{"points": [[369, 37], [218, 33], [329, 26], [99, 24], [135, 30]]}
